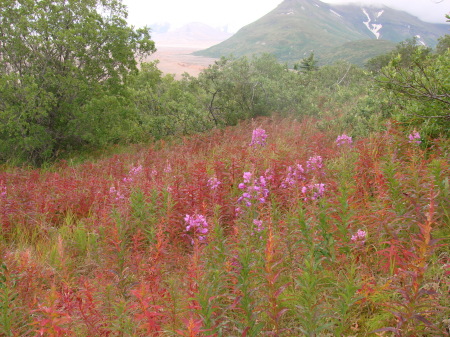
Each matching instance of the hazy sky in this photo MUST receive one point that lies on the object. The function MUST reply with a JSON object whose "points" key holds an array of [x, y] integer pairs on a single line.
{"points": [[238, 13]]}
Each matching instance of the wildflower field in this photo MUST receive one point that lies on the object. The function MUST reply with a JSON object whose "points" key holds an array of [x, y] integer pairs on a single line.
{"points": [[270, 228]]}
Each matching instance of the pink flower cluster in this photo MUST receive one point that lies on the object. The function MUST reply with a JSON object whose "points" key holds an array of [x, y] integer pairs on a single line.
{"points": [[317, 191], [343, 139], [198, 224], [314, 163], [133, 172], [414, 137], [259, 137], [359, 237], [2, 191], [294, 175], [116, 193], [168, 168], [258, 223], [213, 183], [254, 190]]}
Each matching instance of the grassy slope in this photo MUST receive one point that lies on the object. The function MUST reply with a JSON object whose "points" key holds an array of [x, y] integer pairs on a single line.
{"points": [[357, 52], [102, 248]]}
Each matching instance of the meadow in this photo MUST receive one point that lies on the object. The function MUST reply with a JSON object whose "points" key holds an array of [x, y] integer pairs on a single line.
{"points": [[273, 227]]}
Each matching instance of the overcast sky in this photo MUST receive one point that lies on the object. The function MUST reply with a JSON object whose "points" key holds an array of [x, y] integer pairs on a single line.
{"points": [[238, 13]]}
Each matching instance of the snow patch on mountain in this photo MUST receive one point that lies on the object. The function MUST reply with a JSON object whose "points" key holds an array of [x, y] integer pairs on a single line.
{"points": [[373, 27], [335, 13], [419, 40]]}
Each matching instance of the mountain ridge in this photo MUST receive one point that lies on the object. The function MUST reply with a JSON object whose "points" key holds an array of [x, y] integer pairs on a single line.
{"points": [[295, 28]]}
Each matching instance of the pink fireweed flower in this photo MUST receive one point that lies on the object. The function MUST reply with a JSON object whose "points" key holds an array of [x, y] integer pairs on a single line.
{"points": [[294, 175], [117, 195], [133, 172], [319, 190], [343, 139], [359, 237], [197, 224], [316, 190], [3, 191], [258, 223], [213, 183], [256, 190], [168, 168], [314, 163], [259, 137], [247, 177], [414, 137]]}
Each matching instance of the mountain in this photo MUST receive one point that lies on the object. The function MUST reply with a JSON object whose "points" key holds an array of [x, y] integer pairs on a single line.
{"points": [[297, 27], [392, 25]]}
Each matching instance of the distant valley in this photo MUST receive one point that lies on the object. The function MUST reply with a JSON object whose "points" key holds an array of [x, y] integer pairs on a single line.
{"points": [[175, 48]]}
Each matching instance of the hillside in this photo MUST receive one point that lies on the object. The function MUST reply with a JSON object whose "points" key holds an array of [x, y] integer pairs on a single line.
{"points": [[297, 27], [288, 231]]}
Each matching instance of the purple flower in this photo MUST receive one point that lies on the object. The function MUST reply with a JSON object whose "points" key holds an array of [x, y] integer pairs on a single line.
{"points": [[414, 137], [118, 195], [253, 190], [343, 139], [197, 224], [294, 175], [359, 237], [213, 183], [3, 190], [259, 137], [317, 190], [135, 170], [168, 168], [247, 177], [314, 163], [258, 224]]}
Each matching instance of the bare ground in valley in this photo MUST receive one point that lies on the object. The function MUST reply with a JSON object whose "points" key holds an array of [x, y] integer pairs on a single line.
{"points": [[176, 58]]}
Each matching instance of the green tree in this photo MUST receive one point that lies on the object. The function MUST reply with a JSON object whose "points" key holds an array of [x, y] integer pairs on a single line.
{"points": [[63, 69], [443, 44], [242, 88], [307, 64], [421, 91], [405, 49], [165, 106]]}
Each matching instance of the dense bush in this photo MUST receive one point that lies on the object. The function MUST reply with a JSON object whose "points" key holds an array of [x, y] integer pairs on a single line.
{"points": [[412, 86], [63, 67], [165, 106], [421, 92]]}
